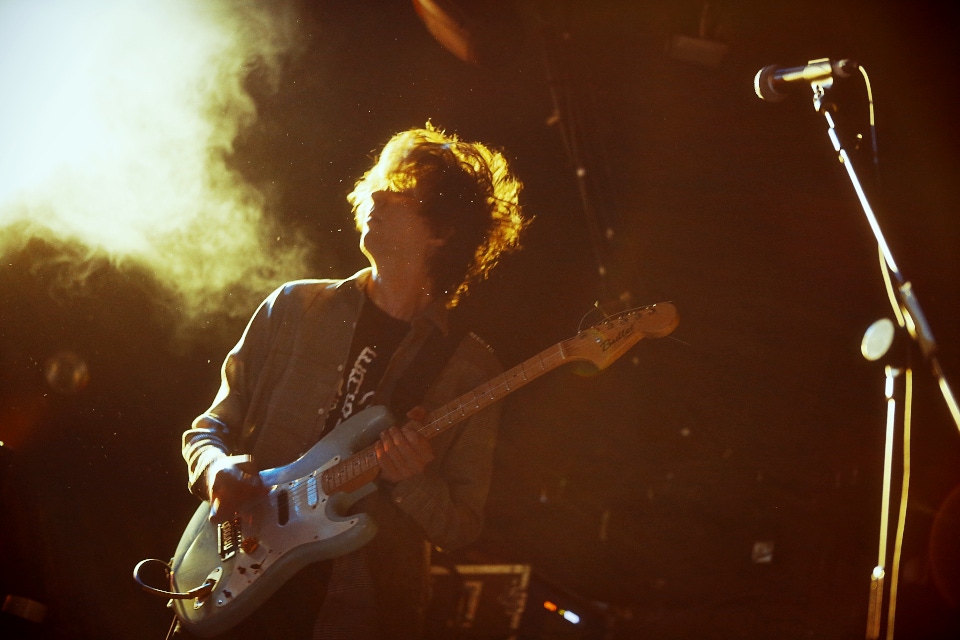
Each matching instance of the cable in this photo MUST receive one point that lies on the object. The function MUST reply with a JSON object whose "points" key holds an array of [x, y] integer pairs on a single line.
{"points": [[200, 592]]}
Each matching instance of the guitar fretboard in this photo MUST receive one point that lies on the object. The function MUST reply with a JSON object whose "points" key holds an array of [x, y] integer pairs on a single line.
{"points": [[363, 464], [600, 345]]}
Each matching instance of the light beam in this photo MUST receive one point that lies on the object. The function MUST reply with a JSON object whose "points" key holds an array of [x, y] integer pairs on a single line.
{"points": [[116, 123]]}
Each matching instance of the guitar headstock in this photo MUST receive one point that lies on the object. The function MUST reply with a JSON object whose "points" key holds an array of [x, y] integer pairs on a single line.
{"points": [[606, 341]]}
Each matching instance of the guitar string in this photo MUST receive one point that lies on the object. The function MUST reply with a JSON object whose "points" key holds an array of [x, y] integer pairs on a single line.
{"points": [[451, 413], [607, 319], [365, 460], [479, 398]]}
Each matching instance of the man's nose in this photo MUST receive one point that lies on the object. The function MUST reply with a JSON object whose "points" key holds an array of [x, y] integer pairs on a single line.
{"points": [[383, 198]]}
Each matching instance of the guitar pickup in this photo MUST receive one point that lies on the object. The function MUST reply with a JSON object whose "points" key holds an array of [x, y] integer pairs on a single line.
{"points": [[283, 507], [313, 494]]}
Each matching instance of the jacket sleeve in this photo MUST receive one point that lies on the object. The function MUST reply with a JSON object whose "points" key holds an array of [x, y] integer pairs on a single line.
{"points": [[447, 501], [217, 431]]}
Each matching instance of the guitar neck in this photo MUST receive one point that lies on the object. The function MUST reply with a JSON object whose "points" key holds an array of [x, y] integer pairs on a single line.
{"points": [[600, 345], [489, 392], [362, 467]]}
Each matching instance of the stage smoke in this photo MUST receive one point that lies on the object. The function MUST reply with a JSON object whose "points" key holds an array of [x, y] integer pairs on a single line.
{"points": [[117, 123]]}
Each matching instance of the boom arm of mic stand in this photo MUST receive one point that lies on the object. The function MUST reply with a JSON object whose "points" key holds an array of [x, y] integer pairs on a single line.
{"points": [[914, 319]]}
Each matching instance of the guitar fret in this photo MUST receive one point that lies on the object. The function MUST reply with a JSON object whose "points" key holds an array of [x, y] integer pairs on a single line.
{"points": [[453, 412], [601, 345]]}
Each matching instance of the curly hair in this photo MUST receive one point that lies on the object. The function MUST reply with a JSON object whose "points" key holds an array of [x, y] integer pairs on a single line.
{"points": [[467, 195]]}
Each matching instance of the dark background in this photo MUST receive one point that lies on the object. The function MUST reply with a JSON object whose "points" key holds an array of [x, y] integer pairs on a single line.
{"points": [[637, 495]]}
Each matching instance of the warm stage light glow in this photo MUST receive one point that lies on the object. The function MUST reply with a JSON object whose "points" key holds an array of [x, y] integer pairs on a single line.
{"points": [[115, 123]]}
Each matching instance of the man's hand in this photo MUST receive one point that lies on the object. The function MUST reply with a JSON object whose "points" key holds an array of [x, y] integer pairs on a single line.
{"points": [[232, 481], [403, 452]]}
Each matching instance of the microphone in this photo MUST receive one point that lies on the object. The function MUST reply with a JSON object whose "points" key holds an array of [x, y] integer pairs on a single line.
{"points": [[773, 83]]}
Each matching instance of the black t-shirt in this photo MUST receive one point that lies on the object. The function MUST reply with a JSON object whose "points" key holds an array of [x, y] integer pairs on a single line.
{"points": [[375, 339]]}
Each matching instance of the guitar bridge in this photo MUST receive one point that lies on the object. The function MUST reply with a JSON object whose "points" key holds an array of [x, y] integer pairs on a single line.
{"points": [[229, 538]]}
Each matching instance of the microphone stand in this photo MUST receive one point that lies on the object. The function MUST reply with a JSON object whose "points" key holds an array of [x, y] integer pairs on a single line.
{"points": [[907, 308], [910, 318]]}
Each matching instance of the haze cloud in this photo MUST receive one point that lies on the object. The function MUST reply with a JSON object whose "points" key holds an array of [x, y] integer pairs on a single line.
{"points": [[115, 126]]}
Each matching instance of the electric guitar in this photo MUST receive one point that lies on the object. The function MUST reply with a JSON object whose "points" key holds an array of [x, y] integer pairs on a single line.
{"points": [[221, 573]]}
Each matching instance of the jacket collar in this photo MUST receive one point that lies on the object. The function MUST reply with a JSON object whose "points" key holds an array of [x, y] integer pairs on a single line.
{"points": [[436, 314]]}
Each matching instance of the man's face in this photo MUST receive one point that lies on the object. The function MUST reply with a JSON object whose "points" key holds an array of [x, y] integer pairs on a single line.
{"points": [[394, 229]]}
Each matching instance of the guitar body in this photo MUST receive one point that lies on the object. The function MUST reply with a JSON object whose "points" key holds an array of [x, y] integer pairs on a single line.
{"points": [[273, 537]]}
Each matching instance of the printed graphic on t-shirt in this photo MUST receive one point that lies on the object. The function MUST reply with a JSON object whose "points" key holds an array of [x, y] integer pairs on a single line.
{"points": [[376, 338], [354, 398]]}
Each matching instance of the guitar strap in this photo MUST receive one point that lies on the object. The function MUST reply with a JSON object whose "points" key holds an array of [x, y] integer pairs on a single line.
{"points": [[411, 386]]}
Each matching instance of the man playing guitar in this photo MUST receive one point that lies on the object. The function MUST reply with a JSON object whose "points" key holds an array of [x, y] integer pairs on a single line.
{"points": [[434, 214]]}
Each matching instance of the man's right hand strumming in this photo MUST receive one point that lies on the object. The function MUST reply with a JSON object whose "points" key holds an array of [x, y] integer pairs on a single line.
{"points": [[232, 481]]}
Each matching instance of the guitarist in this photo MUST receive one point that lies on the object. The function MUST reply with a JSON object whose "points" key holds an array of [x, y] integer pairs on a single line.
{"points": [[434, 214]]}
